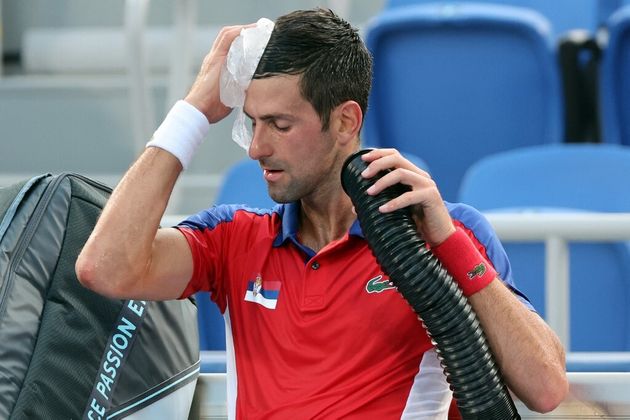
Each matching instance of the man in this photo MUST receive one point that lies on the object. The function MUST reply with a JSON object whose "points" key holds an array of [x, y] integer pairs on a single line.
{"points": [[308, 335]]}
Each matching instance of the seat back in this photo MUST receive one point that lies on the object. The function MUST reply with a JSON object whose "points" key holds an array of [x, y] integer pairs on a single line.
{"points": [[615, 80], [580, 178], [564, 15], [454, 84], [243, 183]]}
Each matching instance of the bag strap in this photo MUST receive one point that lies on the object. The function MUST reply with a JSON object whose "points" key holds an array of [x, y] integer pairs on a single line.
{"points": [[114, 356], [12, 208]]}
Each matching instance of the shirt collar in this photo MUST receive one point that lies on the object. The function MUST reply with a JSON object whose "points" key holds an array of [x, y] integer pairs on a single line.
{"points": [[290, 222]]}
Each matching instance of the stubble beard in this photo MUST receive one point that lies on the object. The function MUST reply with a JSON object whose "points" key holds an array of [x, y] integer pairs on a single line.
{"points": [[294, 191], [298, 188]]}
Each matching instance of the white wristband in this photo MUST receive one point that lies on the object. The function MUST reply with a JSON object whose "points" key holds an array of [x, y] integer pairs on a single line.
{"points": [[181, 132]]}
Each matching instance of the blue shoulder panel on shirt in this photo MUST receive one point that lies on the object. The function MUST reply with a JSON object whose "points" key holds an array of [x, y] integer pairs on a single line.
{"points": [[210, 218]]}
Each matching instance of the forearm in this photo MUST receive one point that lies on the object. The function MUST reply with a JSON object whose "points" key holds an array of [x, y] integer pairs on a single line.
{"points": [[527, 351], [530, 356], [118, 252]]}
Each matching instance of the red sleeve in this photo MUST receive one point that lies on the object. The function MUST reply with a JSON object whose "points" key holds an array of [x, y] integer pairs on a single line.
{"points": [[206, 247]]}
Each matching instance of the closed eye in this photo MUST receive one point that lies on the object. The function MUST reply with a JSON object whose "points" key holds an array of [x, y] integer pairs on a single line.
{"points": [[280, 128], [273, 121]]}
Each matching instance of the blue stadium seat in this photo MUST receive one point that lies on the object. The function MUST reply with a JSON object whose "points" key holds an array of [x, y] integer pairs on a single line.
{"points": [[243, 183], [615, 80], [564, 15], [575, 177], [455, 83], [211, 323]]}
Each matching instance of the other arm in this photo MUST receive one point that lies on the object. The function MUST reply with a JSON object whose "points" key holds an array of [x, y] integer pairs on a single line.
{"points": [[529, 354], [127, 256]]}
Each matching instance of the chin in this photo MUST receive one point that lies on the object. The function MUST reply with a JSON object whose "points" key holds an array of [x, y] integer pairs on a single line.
{"points": [[287, 194], [278, 198], [282, 197]]}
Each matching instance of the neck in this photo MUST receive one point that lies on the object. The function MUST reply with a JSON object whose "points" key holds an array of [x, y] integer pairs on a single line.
{"points": [[325, 220], [326, 214]]}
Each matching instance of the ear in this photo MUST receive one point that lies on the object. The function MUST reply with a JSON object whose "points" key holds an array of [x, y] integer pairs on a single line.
{"points": [[345, 121]]}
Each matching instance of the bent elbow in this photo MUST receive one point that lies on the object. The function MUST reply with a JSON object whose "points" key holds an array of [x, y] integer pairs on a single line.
{"points": [[93, 277], [85, 269], [551, 395]]}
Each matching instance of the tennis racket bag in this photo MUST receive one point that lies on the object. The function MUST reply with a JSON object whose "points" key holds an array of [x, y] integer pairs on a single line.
{"points": [[65, 351]]}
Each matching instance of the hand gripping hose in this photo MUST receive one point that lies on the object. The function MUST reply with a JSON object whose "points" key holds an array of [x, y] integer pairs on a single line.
{"points": [[445, 312]]}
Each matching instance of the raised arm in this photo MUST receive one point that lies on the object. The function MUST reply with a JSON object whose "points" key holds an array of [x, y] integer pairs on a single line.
{"points": [[127, 256], [529, 354]]}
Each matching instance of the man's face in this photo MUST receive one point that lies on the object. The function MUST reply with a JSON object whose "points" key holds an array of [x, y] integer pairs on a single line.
{"points": [[295, 154]]}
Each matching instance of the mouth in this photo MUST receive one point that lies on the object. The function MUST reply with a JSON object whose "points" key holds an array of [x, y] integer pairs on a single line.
{"points": [[272, 175]]}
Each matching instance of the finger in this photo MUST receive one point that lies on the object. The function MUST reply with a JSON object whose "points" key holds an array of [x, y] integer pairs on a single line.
{"points": [[390, 159], [374, 154], [405, 200], [386, 161], [371, 156], [227, 35], [417, 199], [398, 176], [423, 189], [225, 38]]}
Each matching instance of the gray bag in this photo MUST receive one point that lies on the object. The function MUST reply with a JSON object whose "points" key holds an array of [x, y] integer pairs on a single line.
{"points": [[65, 351]]}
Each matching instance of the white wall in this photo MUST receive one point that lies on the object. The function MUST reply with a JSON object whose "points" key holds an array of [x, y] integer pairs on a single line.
{"points": [[54, 122]]}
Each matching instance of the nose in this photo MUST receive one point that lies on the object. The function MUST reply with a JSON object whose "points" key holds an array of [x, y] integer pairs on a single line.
{"points": [[260, 146]]}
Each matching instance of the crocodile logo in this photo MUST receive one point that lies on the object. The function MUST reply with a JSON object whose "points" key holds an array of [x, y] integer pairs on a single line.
{"points": [[378, 285], [478, 271]]}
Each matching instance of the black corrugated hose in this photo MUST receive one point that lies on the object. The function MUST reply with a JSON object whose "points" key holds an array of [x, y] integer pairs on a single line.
{"points": [[433, 294]]}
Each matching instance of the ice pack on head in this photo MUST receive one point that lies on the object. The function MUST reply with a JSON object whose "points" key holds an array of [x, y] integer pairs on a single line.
{"points": [[237, 72]]}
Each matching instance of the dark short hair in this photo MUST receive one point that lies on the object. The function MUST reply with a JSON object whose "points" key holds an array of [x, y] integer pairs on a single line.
{"points": [[328, 54]]}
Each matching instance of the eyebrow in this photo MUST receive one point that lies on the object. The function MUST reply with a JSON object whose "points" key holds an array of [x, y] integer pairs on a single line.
{"points": [[268, 117]]}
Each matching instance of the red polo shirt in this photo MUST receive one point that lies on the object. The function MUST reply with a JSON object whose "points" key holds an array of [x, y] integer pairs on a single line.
{"points": [[317, 335]]}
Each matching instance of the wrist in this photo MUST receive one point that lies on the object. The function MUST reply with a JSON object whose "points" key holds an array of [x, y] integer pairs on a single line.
{"points": [[437, 239], [196, 102], [207, 103], [181, 132], [463, 261]]}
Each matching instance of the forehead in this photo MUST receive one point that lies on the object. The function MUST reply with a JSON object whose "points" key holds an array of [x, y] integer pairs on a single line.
{"points": [[277, 94]]}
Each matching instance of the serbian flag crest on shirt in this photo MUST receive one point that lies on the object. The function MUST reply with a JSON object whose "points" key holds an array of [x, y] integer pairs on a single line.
{"points": [[264, 293]]}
